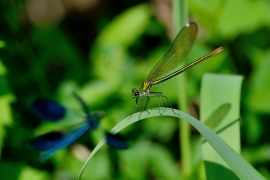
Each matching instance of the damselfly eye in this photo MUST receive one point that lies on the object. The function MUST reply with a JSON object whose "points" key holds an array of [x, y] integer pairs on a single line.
{"points": [[135, 93]]}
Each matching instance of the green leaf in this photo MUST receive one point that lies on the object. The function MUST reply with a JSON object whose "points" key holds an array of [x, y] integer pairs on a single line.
{"points": [[239, 166], [6, 118], [239, 10], [19, 171], [110, 50], [3, 69], [217, 116], [5, 88], [163, 163], [217, 90], [217, 171], [29, 172], [130, 158], [257, 154], [2, 44], [259, 96], [216, 16], [121, 32]]}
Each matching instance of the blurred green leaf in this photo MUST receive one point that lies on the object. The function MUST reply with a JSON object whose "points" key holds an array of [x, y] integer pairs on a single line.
{"points": [[6, 98], [126, 27], [2, 44], [162, 130], [5, 109], [101, 169], [5, 89], [3, 70], [163, 164], [130, 160], [19, 171], [6, 118], [253, 127], [9, 170], [214, 171], [238, 10], [230, 18], [218, 90], [257, 155], [110, 50], [265, 172], [259, 96], [28, 173]]}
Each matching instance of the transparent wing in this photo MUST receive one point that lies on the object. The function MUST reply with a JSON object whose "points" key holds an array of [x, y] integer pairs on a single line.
{"points": [[177, 52]]}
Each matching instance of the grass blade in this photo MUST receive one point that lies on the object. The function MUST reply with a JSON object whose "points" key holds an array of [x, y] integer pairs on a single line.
{"points": [[239, 166]]}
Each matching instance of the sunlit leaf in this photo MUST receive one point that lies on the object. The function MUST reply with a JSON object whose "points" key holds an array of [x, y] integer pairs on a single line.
{"points": [[217, 90]]}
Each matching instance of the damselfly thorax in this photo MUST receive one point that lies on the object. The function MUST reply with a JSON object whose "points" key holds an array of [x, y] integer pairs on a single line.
{"points": [[144, 89]]}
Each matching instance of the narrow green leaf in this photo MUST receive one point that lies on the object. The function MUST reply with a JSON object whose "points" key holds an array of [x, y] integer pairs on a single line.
{"points": [[239, 166], [217, 116]]}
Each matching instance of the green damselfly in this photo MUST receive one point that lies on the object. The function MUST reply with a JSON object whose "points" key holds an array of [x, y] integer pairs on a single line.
{"points": [[176, 53]]}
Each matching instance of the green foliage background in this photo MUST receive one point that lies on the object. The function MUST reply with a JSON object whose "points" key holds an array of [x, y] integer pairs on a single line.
{"points": [[104, 50]]}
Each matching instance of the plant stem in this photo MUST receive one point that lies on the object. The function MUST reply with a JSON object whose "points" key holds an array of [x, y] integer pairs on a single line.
{"points": [[180, 15]]}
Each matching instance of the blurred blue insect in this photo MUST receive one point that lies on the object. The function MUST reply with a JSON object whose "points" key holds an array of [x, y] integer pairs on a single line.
{"points": [[54, 141]]}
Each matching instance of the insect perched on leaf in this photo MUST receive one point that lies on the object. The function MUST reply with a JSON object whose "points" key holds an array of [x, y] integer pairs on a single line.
{"points": [[176, 53], [54, 141]]}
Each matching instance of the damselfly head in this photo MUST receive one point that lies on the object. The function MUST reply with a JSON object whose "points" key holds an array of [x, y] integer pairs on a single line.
{"points": [[97, 114], [94, 118], [135, 93]]}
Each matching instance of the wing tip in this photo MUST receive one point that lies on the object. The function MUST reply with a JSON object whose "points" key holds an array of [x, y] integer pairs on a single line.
{"points": [[190, 23]]}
